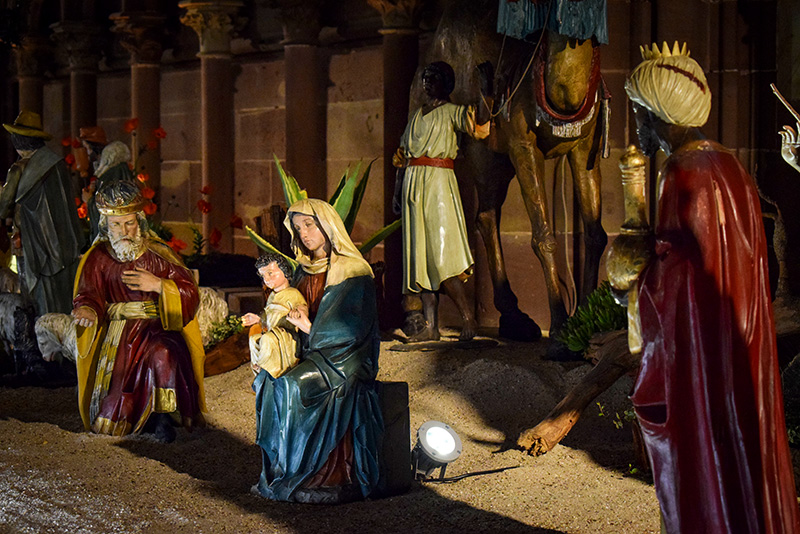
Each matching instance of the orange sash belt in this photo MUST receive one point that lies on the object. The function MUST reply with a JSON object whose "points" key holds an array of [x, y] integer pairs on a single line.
{"points": [[445, 163]]}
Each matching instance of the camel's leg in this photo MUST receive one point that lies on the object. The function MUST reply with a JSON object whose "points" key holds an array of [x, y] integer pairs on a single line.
{"points": [[586, 185], [492, 175], [614, 361], [528, 160]]}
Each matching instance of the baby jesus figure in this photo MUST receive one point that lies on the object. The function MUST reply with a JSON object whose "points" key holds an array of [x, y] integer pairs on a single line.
{"points": [[273, 336]]}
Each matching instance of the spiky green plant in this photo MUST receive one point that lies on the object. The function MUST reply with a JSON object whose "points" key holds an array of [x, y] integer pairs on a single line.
{"points": [[600, 313], [346, 200]]}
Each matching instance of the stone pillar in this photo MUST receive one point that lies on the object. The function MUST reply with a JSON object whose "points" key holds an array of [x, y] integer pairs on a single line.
{"points": [[213, 22], [400, 59], [306, 124], [82, 42], [30, 56], [141, 34]]}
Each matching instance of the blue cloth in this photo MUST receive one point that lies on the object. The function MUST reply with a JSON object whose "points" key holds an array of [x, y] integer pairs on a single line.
{"points": [[304, 414], [579, 19]]}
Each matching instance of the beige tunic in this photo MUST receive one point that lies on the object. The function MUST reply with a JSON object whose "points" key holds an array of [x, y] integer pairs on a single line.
{"points": [[434, 233], [275, 348]]}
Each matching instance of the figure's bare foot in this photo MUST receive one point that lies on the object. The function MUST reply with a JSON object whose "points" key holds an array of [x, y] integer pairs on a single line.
{"points": [[469, 330], [429, 333]]}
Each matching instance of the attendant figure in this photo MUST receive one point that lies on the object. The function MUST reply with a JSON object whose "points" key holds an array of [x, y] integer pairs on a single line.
{"points": [[319, 425], [110, 162], [273, 337], [140, 353], [708, 394], [435, 244], [47, 236]]}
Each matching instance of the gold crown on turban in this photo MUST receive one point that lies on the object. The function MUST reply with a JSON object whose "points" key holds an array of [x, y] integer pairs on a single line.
{"points": [[654, 53], [671, 85], [120, 198]]}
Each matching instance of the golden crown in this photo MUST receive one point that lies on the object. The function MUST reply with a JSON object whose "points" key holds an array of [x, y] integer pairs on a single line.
{"points": [[654, 53]]}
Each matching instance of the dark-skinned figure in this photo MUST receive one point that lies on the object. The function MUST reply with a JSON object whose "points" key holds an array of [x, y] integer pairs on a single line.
{"points": [[319, 425], [708, 395], [436, 251], [140, 352], [39, 197]]}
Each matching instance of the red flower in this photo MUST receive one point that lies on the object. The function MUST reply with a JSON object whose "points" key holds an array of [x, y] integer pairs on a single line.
{"points": [[78, 202], [150, 209], [207, 190], [176, 244], [143, 177], [70, 159], [83, 211], [131, 125], [204, 206], [152, 144], [148, 193], [76, 143], [215, 238], [66, 141], [160, 132], [236, 222]]}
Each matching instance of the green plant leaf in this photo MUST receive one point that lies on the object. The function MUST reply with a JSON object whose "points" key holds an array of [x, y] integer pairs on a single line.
{"points": [[291, 189], [379, 236], [358, 196], [266, 245], [342, 200]]}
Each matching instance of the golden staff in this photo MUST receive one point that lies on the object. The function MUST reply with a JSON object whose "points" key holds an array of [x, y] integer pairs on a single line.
{"points": [[631, 250], [785, 102]]}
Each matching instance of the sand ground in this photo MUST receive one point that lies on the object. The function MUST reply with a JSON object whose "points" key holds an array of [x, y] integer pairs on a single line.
{"points": [[54, 477]]}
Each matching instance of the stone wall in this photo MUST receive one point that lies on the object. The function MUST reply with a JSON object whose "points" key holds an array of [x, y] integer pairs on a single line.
{"points": [[733, 41]]}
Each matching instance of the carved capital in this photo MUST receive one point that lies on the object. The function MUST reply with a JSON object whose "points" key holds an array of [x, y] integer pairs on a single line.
{"points": [[403, 14], [213, 22], [301, 20], [32, 55], [80, 42], [141, 34]]}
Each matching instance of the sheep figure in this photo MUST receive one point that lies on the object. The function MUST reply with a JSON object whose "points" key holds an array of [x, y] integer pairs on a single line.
{"points": [[56, 337], [17, 336], [212, 309]]}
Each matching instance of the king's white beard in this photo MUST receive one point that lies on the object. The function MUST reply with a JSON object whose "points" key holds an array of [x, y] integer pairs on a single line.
{"points": [[125, 248]]}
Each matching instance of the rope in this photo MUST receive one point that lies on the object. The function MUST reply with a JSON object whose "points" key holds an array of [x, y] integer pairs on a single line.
{"points": [[492, 115]]}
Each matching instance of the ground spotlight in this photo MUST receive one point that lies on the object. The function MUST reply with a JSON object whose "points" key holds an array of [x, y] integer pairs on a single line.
{"points": [[437, 445]]}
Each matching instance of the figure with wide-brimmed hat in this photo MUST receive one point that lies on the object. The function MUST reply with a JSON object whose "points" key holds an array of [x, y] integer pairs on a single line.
{"points": [[39, 197]]}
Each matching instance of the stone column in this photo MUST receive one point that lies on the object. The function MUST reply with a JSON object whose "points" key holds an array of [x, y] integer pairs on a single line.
{"points": [[141, 34], [306, 124], [400, 59], [31, 56], [213, 22], [82, 43]]}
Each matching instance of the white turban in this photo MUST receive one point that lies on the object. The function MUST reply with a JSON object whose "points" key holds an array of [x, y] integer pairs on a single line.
{"points": [[671, 85]]}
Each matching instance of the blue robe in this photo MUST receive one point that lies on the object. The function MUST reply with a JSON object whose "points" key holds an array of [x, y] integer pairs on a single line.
{"points": [[304, 414]]}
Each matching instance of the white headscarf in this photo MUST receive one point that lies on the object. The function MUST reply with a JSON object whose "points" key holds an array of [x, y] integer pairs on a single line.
{"points": [[345, 260]]}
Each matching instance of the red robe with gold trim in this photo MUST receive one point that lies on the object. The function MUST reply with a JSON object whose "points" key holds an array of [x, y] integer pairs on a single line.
{"points": [[708, 395], [157, 365]]}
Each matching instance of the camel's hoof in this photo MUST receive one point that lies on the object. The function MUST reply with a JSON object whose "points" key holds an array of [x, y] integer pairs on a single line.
{"points": [[559, 352], [519, 327]]}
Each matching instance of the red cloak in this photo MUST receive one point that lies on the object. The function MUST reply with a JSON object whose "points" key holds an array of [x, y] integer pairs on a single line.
{"points": [[152, 369], [708, 395]]}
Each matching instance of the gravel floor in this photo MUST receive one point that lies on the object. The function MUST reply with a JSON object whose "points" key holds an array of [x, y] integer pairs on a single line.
{"points": [[54, 477]]}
